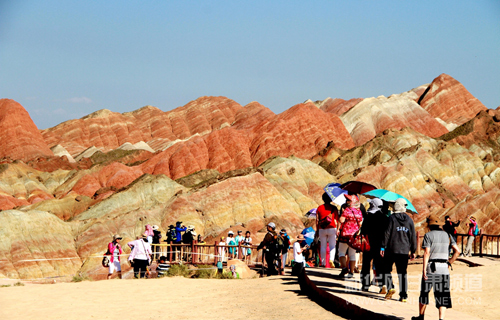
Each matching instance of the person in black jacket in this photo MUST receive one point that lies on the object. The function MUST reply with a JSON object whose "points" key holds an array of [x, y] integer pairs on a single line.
{"points": [[374, 226], [269, 246], [399, 241]]}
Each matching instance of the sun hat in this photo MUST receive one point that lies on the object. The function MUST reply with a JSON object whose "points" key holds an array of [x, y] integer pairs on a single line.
{"points": [[117, 236], [191, 227], [272, 225], [354, 200], [230, 232], [145, 235], [300, 237], [433, 220], [155, 227]]}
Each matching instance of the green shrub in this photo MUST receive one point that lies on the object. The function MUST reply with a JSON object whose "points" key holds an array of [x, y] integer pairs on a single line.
{"points": [[5, 285], [225, 275], [80, 277], [178, 270], [18, 284], [205, 271]]}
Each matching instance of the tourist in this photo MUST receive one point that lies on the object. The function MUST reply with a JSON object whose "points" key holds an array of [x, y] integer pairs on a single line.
{"points": [[374, 226], [149, 231], [399, 240], [470, 239], [156, 241], [435, 273], [163, 267], [270, 249], [222, 250], [188, 238], [140, 256], [231, 241], [247, 242], [284, 250], [238, 239], [450, 228], [114, 251], [298, 256], [326, 224], [351, 222], [200, 249], [179, 228]]}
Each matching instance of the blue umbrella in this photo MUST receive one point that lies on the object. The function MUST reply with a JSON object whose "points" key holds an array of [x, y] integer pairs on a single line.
{"points": [[308, 235], [333, 190], [311, 213], [389, 196]]}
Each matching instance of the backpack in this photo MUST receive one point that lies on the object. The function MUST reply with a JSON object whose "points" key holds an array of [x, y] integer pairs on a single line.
{"points": [[476, 230], [172, 235], [280, 243]]}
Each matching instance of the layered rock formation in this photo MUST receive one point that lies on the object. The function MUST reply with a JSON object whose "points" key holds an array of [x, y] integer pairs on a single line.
{"points": [[448, 100], [238, 168], [19, 136]]}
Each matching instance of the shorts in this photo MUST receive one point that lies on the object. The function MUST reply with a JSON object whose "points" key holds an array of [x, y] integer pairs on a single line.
{"points": [[115, 265], [441, 285], [343, 247]]}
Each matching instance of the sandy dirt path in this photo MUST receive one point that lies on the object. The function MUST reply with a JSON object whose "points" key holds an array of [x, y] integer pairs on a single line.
{"points": [[166, 298]]}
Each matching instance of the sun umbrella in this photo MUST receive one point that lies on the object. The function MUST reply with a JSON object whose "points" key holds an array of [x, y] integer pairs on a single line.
{"points": [[308, 235], [357, 187], [389, 196], [333, 190], [311, 213]]}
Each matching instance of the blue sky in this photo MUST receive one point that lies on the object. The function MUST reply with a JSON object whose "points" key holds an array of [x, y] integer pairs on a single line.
{"points": [[65, 59]]}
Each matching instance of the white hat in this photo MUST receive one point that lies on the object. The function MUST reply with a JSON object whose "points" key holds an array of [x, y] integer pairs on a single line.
{"points": [[272, 225], [155, 227], [230, 232]]}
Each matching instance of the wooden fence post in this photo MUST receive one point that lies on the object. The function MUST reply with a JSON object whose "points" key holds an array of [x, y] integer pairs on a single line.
{"points": [[170, 253], [216, 254]]}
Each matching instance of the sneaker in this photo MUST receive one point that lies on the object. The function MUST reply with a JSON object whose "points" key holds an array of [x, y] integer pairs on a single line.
{"points": [[349, 275], [402, 299], [343, 272], [390, 293], [417, 318], [332, 265], [383, 290]]}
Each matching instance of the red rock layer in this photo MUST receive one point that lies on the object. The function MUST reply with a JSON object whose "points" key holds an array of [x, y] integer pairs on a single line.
{"points": [[19, 136], [339, 106], [108, 130], [447, 99]]}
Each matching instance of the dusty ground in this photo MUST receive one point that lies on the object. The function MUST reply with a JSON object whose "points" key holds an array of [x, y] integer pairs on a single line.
{"points": [[166, 298], [475, 290]]}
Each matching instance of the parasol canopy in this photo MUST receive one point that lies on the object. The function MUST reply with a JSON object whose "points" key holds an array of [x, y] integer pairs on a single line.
{"points": [[389, 196]]}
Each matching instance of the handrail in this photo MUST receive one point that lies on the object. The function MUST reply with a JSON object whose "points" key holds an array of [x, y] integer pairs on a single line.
{"points": [[483, 245]]}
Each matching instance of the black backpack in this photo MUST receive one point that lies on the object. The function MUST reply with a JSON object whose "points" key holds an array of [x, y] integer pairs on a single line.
{"points": [[171, 235], [187, 237]]}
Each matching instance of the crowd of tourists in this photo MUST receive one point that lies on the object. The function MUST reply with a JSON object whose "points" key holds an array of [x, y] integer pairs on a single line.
{"points": [[385, 226]]}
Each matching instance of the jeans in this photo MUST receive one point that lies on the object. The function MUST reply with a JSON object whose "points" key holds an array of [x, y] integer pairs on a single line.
{"points": [[368, 257], [468, 248], [401, 261]]}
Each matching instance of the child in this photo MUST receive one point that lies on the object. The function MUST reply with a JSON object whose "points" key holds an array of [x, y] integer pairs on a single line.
{"points": [[162, 267], [298, 257]]}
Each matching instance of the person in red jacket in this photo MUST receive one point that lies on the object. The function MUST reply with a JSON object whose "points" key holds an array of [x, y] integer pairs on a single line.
{"points": [[327, 216], [115, 251]]}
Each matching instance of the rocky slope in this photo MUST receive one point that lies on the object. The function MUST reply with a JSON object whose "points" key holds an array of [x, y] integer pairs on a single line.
{"points": [[19, 136], [221, 166]]}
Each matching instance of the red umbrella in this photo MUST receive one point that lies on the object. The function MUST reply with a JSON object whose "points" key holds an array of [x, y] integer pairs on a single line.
{"points": [[357, 187]]}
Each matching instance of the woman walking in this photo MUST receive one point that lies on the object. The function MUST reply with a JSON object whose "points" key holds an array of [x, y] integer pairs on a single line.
{"points": [[351, 221], [326, 224], [115, 250], [140, 256]]}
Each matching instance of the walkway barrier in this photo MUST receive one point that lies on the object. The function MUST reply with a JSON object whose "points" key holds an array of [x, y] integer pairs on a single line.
{"points": [[484, 244], [203, 253]]}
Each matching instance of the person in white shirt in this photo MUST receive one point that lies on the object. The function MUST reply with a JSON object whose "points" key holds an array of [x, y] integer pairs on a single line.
{"points": [[140, 256], [298, 256], [222, 249]]}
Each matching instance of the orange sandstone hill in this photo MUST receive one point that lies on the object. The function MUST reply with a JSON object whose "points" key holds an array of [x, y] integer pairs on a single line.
{"points": [[217, 165], [19, 137]]}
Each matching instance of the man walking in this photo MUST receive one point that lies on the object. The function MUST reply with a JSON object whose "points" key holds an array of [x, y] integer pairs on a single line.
{"points": [[435, 273], [399, 241]]}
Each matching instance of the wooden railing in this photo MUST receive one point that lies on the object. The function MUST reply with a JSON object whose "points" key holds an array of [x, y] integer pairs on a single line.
{"points": [[484, 244], [203, 253]]}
